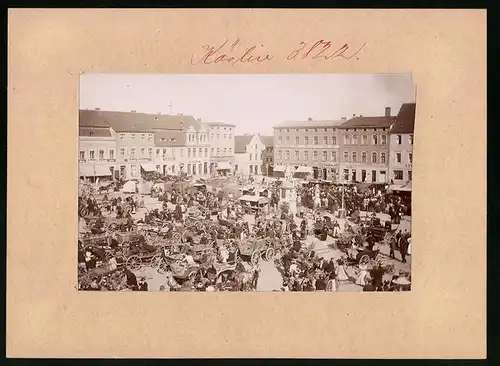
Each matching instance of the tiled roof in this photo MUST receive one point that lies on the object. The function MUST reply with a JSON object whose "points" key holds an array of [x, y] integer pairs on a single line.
{"points": [[370, 122], [220, 124], [94, 131], [405, 120], [267, 140], [138, 122], [91, 118], [311, 124], [241, 142], [169, 138]]}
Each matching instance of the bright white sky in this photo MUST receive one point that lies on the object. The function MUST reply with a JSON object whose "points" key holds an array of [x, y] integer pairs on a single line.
{"points": [[253, 102]]}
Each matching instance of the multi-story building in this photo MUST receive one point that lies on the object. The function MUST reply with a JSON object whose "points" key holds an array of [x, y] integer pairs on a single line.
{"points": [[268, 155], [310, 143], [248, 154], [197, 160], [401, 145], [364, 148], [97, 147], [221, 147]]}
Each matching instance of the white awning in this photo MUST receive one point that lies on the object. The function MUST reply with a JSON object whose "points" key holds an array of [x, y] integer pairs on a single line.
{"points": [[94, 171], [148, 167], [279, 168], [258, 199], [304, 169], [403, 188], [223, 165]]}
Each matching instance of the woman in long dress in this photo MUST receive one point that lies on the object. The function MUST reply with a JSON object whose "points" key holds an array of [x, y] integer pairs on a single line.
{"points": [[332, 283], [363, 275], [340, 272]]}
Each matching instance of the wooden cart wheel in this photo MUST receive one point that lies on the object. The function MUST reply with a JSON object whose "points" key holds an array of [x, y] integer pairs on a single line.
{"points": [[134, 263], [255, 257], [365, 259], [155, 261], [162, 267], [269, 254]]}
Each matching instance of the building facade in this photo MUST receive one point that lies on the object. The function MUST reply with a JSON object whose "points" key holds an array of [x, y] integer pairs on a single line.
{"points": [[401, 145], [364, 148], [268, 155], [249, 152], [221, 147], [308, 143]]}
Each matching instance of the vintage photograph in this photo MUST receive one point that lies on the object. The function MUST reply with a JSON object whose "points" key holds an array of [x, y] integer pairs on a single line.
{"points": [[245, 182]]}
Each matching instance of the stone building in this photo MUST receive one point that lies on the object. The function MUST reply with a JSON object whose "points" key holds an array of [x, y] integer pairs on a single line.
{"points": [[249, 152], [221, 136], [310, 143], [364, 148], [268, 155], [401, 145]]}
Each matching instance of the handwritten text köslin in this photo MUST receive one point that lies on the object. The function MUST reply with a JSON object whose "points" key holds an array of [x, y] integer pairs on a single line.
{"points": [[234, 53]]}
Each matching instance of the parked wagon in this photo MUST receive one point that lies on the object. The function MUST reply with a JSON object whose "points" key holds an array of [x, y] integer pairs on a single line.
{"points": [[100, 240], [255, 249]]}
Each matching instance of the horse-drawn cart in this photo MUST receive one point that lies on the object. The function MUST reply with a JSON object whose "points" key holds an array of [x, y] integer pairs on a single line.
{"points": [[255, 249]]}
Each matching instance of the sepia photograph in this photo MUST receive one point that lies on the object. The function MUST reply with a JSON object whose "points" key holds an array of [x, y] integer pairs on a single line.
{"points": [[245, 182]]}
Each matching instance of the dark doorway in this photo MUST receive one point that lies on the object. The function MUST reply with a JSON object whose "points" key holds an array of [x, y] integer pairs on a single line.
{"points": [[363, 176], [325, 173], [315, 173], [374, 176]]}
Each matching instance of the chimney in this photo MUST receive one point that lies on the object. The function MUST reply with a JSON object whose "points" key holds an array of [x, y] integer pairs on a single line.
{"points": [[309, 119], [98, 109], [133, 111], [353, 115], [387, 111], [343, 118], [361, 115]]}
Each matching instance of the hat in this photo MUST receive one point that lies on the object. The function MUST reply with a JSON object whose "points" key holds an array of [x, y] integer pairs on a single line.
{"points": [[401, 281]]}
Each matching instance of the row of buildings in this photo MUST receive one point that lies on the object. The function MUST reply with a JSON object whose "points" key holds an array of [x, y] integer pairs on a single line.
{"points": [[372, 149], [126, 145]]}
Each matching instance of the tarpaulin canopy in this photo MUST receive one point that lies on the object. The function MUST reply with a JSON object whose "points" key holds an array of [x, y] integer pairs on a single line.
{"points": [[148, 167], [279, 168], [145, 187], [129, 187], [94, 170], [258, 199], [224, 165], [304, 169], [86, 171], [402, 188]]}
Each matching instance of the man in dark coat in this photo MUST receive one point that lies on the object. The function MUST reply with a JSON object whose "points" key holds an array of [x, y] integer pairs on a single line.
{"points": [[143, 285], [131, 280], [403, 247]]}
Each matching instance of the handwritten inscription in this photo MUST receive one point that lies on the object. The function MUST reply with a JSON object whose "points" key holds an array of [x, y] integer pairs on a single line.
{"points": [[234, 53]]}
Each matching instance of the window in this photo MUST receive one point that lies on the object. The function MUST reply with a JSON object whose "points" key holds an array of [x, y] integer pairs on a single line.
{"points": [[375, 140], [150, 152], [297, 140], [158, 152], [315, 155], [346, 156], [398, 157], [325, 140], [409, 175], [363, 157], [82, 155], [132, 136], [132, 153], [249, 156], [383, 140], [225, 136], [354, 156], [355, 140], [189, 153], [218, 136], [398, 174], [122, 136], [91, 133], [150, 137], [410, 158], [287, 130], [346, 174], [399, 139], [315, 140], [206, 152], [325, 156], [365, 140], [225, 150], [410, 139], [334, 156], [212, 137], [297, 155], [212, 151], [111, 154], [346, 139], [334, 140], [279, 154], [287, 139], [189, 169], [165, 151], [122, 152], [194, 153], [218, 153], [200, 152], [143, 151], [374, 157], [315, 130], [281, 140], [306, 140], [326, 129], [306, 155], [230, 150], [307, 130], [143, 136], [101, 154], [382, 158]]}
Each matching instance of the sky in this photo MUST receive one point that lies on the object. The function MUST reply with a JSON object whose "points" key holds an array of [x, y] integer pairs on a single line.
{"points": [[252, 102]]}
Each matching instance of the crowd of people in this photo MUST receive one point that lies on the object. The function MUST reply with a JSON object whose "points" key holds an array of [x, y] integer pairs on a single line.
{"points": [[225, 228]]}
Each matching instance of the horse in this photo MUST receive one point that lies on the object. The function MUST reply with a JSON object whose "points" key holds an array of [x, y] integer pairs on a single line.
{"points": [[247, 280]]}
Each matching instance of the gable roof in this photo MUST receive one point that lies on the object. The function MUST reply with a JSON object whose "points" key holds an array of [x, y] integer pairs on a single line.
{"points": [[169, 138], [370, 122], [309, 124], [405, 120], [94, 132], [91, 118], [241, 142], [267, 140], [220, 124]]}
